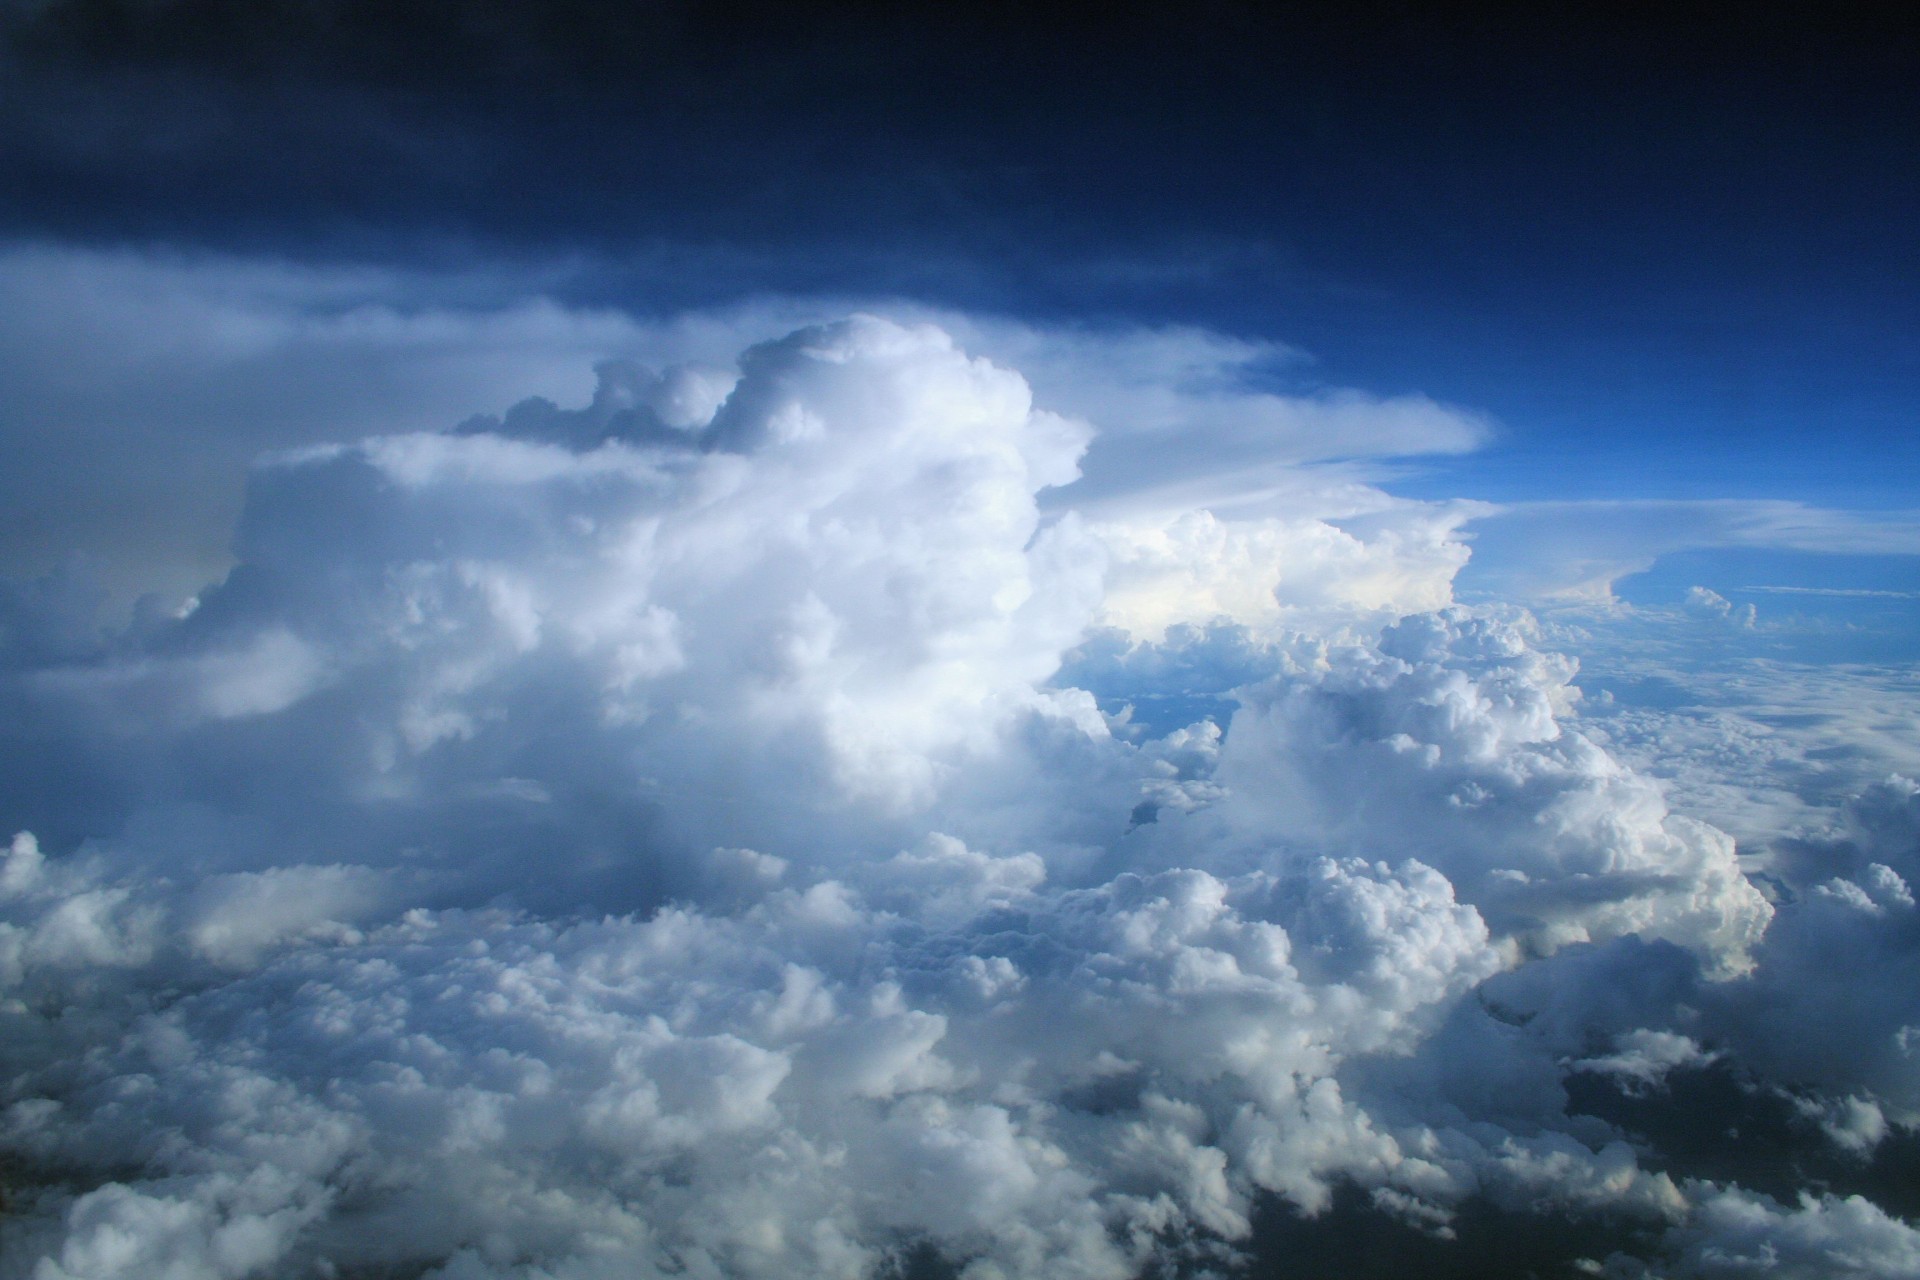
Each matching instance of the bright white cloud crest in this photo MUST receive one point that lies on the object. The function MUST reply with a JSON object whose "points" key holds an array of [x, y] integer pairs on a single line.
{"points": [[669, 837]]}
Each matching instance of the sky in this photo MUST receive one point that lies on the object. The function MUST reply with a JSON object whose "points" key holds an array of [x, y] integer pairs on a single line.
{"points": [[750, 640]]}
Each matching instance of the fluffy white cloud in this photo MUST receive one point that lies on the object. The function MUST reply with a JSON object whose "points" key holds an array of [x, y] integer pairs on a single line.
{"points": [[769, 1092], [1642, 1060], [1735, 1233], [703, 833], [1448, 737], [1271, 574]]}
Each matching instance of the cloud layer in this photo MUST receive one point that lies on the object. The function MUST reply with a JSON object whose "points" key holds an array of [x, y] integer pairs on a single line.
{"points": [[753, 825]]}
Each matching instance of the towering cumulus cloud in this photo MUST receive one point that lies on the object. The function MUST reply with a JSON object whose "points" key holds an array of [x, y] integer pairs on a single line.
{"points": [[735, 829]]}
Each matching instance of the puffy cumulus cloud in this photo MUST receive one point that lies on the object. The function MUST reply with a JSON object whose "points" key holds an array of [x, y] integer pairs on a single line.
{"points": [[74, 925], [1642, 1059], [735, 828], [1449, 737], [1739, 1234], [1271, 574], [1045, 1085]]}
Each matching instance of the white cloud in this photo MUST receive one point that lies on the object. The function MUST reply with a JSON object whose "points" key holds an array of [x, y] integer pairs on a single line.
{"points": [[1736, 1233], [1450, 738], [1704, 602], [140, 386], [811, 1075], [667, 837], [1187, 422], [1862, 593], [1565, 550], [1642, 1059], [1271, 574]]}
